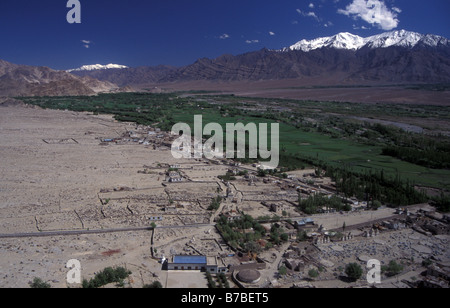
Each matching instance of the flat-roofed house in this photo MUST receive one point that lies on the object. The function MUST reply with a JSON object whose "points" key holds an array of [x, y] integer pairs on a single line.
{"points": [[187, 263], [195, 263], [304, 222], [174, 177]]}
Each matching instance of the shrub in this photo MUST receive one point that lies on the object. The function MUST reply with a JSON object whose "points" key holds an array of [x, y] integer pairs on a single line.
{"points": [[392, 269], [38, 283], [154, 285], [211, 283], [353, 271], [282, 270], [313, 273], [107, 276]]}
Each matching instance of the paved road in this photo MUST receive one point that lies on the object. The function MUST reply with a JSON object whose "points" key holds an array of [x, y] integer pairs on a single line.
{"points": [[388, 214], [87, 232]]}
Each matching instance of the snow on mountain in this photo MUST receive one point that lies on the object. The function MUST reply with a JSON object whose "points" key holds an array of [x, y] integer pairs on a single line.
{"points": [[350, 41], [97, 67], [343, 40]]}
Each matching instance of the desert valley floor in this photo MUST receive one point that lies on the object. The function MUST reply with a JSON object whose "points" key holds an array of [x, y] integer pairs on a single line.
{"points": [[58, 176]]}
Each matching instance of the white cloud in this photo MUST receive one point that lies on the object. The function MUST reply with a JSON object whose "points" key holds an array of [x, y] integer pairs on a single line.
{"points": [[86, 43], [252, 41], [271, 33], [224, 36], [308, 14], [311, 5], [374, 12], [355, 27], [312, 14]]}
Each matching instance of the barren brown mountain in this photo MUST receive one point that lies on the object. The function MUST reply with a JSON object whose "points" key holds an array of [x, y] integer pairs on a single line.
{"points": [[322, 66], [23, 80], [414, 59]]}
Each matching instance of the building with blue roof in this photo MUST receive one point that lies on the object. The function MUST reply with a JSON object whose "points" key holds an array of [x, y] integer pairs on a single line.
{"points": [[304, 222], [195, 263], [190, 259]]}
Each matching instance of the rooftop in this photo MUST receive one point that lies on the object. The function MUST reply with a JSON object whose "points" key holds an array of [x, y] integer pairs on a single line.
{"points": [[249, 276], [189, 259]]}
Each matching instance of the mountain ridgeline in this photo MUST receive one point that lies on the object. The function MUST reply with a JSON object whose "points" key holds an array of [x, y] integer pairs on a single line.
{"points": [[24, 80], [392, 57]]}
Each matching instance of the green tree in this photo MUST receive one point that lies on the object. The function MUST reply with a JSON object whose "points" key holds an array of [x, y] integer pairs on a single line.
{"points": [[252, 246], [282, 270], [215, 203], [108, 275], [313, 273], [392, 269], [284, 237], [38, 283], [211, 283], [302, 236], [154, 285], [353, 271], [223, 280], [442, 203], [376, 205]]}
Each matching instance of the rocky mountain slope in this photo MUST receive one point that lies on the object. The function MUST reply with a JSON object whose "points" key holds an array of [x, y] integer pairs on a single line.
{"points": [[96, 67], [130, 76], [345, 40], [23, 80], [391, 57]]}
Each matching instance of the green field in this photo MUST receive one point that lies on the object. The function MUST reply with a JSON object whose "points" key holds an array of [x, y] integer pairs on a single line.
{"points": [[345, 153], [311, 130]]}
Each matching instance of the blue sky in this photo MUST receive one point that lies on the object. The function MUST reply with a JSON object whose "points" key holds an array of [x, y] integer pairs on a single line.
{"points": [[178, 32]]}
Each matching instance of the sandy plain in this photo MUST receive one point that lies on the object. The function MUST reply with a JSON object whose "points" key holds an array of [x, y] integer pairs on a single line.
{"points": [[56, 176], [319, 90]]}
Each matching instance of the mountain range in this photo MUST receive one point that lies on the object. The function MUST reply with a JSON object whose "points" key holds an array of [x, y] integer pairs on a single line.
{"points": [[96, 67], [24, 80], [391, 57], [345, 40]]}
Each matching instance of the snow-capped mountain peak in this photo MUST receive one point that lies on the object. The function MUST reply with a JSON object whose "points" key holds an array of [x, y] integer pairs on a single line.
{"points": [[395, 38], [343, 40], [96, 67], [350, 41]]}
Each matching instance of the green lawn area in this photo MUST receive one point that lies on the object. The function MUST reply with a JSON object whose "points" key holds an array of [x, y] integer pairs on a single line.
{"points": [[340, 152], [359, 157]]}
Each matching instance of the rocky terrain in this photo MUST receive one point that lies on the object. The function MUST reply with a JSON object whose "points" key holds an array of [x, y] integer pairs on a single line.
{"points": [[23, 80], [398, 57], [82, 186], [143, 75], [392, 57]]}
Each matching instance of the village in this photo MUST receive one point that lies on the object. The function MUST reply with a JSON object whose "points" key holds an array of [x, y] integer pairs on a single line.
{"points": [[173, 220], [316, 248]]}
